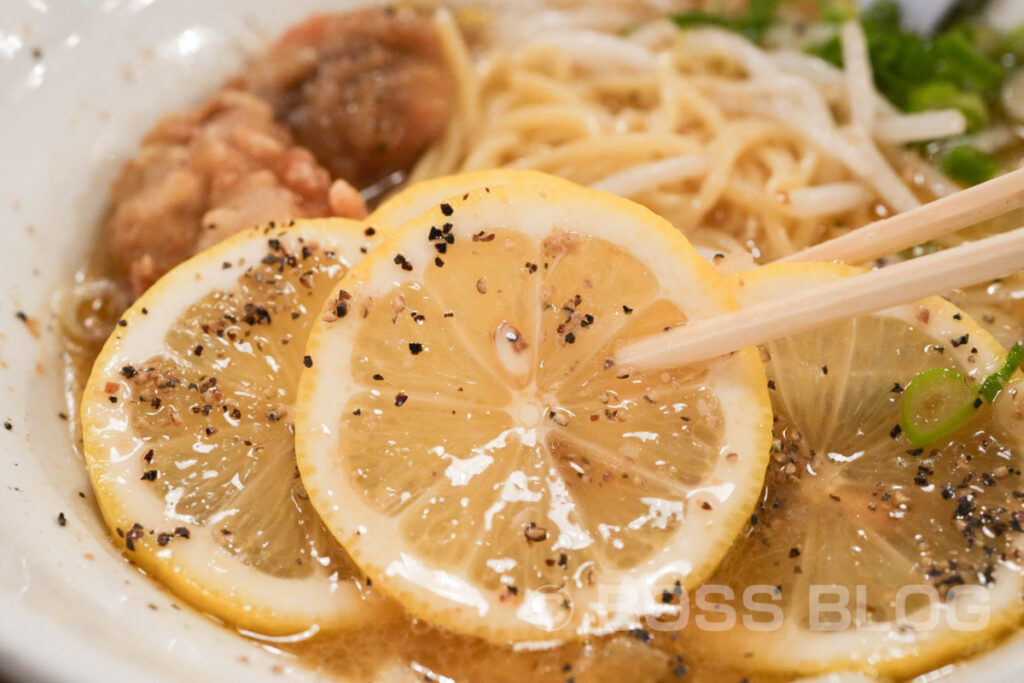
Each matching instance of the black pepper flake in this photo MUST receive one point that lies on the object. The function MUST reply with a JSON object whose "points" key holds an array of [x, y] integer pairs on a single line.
{"points": [[307, 361], [122, 323], [794, 552], [370, 231], [112, 399], [587, 321], [61, 519], [20, 315], [977, 403], [378, 377], [198, 350], [400, 261], [570, 338], [255, 315], [959, 341], [148, 475], [181, 532], [965, 506], [128, 371], [957, 316], [415, 348], [534, 533], [771, 384], [641, 635], [446, 209], [163, 539], [133, 535], [895, 432], [824, 369], [148, 457], [7, 425], [357, 412], [438, 261], [896, 388], [627, 310], [400, 399], [753, 520], [948, 491]]}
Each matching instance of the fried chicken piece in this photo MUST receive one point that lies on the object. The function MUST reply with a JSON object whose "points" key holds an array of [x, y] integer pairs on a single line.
{"points": [[367, 92], [206, 173]]}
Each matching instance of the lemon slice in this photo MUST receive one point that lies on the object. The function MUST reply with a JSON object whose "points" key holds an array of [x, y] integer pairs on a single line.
{"points": [[852, 513], [465, 436], [418, 198], [187, 421]]}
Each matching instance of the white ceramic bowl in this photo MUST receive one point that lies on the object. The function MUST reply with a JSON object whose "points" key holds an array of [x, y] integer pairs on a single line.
{"points": [[80, 83]]}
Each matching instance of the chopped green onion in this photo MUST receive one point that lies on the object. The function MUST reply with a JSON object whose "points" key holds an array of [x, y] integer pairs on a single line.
{"points": [[753, 23], [1013, 44], [962, 67], [936, 403], [960, 61], [698, 18], [994, 383], [969, 165], [836, 11], [946, 95]]}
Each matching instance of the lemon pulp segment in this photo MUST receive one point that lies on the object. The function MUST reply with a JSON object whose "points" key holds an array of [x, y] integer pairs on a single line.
{"points": [[854, 514], [465, 435], [187, 421]]}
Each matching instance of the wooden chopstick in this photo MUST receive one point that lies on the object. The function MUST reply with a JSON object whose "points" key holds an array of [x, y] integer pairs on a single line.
{"points": [[940, 217], [850, 297]]}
